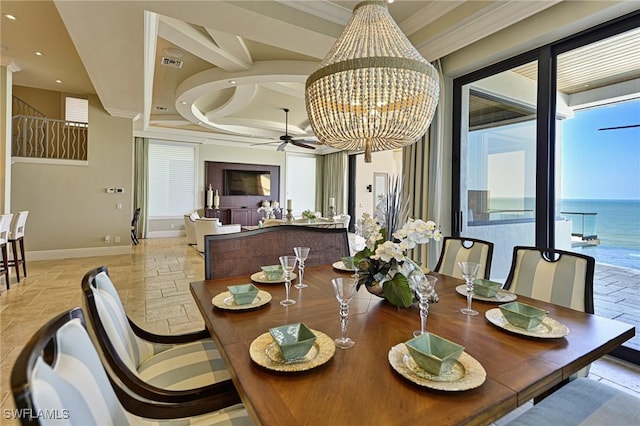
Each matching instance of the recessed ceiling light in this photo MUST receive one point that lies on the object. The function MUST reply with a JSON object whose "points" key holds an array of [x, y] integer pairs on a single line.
{"points": [[233, 82], [38, 53], [10, 16], [59, 81]]}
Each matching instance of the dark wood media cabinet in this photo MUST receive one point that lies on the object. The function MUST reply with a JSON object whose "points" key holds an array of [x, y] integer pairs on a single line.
{"points": [[242, 209]]}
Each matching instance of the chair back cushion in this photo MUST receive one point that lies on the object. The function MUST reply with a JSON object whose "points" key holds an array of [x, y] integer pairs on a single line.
{"points": [[555, 276], [18, 224], [113, 318], [5, 226], [75, 387], [462, 249]]}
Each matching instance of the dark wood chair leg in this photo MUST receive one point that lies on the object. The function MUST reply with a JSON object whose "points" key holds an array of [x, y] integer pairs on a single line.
{"points": [[23, 259], [16, 259], [5, 262]]}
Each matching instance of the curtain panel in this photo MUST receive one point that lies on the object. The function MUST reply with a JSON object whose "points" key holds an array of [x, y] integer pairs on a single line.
{"points": [[334, 177], [141, 183], [423, 177]]}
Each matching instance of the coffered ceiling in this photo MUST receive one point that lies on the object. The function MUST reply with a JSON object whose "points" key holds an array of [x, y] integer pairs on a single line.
{"points": [[215, 71]]}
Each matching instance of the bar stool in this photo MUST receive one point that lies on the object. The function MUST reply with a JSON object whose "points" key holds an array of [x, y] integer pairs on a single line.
{"points": [[5, 226], [16, 237]]}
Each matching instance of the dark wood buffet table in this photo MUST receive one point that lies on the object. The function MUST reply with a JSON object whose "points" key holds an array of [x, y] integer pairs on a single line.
{"points": [[359, 387]]}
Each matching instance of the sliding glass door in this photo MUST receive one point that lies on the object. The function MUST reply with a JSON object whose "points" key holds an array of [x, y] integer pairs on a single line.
{"points": [[598, 167], [498, 162], [546, 150]]}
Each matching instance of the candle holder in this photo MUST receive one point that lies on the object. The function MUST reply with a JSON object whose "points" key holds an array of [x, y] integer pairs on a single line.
{"points": [[331, 213], [289, 216]]}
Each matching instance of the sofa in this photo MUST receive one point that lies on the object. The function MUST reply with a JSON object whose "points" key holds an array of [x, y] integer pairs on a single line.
{"points": [[190, 227], [207, 226]]}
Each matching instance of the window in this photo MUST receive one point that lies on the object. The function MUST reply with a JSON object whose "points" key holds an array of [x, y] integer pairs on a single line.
{"points": [[171, 179], [301, 182], [76, 110]]}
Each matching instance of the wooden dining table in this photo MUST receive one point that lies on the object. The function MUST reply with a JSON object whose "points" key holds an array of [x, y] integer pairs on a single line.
{"points": [[358, 386]]}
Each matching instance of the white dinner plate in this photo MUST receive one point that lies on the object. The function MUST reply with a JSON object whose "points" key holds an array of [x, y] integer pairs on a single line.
{"points": [[502, 296], [260, 277], [339, 265], [225, 300], [548, 329], [467, 373]]}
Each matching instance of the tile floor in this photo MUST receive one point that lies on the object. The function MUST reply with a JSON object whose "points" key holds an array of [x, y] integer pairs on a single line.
{"points": [[153, 282]]}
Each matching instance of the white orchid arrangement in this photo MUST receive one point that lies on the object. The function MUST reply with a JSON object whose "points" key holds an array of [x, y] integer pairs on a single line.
{"points": [[381, 258]]}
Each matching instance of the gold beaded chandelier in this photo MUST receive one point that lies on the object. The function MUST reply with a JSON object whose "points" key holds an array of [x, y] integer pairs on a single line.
{"points": [[373, 90]]}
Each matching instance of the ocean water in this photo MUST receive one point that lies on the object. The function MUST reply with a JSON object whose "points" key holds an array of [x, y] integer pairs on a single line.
{"points": [[617, 225]]}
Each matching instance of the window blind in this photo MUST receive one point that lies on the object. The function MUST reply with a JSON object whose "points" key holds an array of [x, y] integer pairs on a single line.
{"points": [[171, 179], [76, 109]]}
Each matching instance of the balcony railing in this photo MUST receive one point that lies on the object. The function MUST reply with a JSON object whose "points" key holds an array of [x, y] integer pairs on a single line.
{"points": [[40, 137], [583, 224]]}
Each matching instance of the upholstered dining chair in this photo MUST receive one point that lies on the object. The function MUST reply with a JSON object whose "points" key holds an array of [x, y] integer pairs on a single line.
{"points": [[557, 276], [5, 226], [184, 368], [551, 275], [58, 379], [16, 239], [463, 249]]}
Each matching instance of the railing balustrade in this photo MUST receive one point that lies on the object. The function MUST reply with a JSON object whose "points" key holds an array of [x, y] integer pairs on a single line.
{"points": [[41, 137], [583, 224]]}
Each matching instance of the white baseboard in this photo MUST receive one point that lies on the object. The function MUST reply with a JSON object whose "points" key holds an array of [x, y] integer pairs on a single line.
{"points": [[79, 252], [166, 234]]}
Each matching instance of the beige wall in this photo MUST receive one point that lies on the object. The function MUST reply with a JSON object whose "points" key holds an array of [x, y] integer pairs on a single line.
{"points": [[69, 210], [48, 102]]}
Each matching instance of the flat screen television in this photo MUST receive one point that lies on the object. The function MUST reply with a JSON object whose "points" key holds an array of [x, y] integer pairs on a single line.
{"points": [[247, 182]]}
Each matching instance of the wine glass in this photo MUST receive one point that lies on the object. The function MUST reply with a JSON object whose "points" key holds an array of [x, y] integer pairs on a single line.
{"points": [[288, 265], [423, 286], [344, 289], [301, 255], [469, 271]]}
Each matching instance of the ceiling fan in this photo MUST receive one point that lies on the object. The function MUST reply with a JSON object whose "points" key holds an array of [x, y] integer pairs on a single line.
{"points": [[286, 138]]}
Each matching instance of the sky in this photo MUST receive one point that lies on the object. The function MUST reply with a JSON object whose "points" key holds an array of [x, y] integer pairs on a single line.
{"points": [[602, 164]]}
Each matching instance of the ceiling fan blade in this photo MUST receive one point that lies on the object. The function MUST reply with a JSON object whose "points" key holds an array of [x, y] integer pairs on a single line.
{"points": [[264, 143], [282, 146], [620, 127], [302, 145]]}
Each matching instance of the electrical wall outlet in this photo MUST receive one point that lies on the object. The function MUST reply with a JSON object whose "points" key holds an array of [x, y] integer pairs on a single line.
{"points": [[118, 206], [110, 190], [119, 190], [107, 239], [116, 239]]}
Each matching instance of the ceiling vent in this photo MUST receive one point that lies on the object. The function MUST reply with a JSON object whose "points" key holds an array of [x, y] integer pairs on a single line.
{"points": [[170, 62]]}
